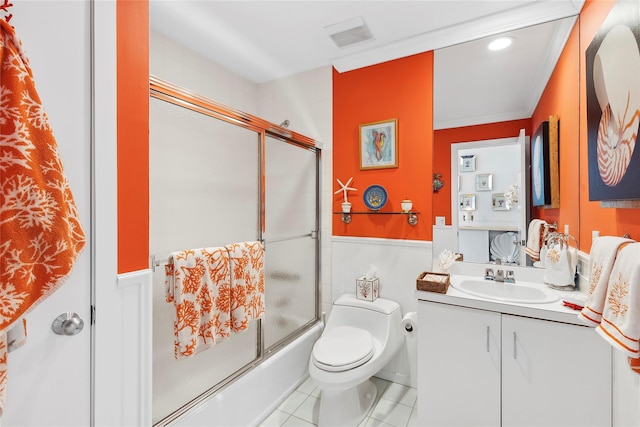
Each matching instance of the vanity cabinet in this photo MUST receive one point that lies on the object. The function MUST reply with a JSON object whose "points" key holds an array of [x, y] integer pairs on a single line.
{"points": [[485, 368]]}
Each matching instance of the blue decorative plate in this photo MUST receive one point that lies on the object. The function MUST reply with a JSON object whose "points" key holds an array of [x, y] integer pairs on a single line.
{"points": [[375, 197]]}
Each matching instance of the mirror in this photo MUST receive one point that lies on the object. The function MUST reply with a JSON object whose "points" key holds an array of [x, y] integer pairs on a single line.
{"points": [[486, 207], [481, 95]]}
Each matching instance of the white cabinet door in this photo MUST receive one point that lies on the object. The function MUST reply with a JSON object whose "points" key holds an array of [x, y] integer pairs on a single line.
{"points": [[458, 366], [554, 374], [48, 379]]}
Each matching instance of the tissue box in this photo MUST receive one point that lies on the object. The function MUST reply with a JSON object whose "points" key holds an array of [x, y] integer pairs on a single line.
{"points": [[433, 282], [367, 289]]}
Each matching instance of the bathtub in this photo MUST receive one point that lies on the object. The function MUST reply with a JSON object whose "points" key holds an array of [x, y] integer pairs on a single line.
{"points": [[250, 399]]}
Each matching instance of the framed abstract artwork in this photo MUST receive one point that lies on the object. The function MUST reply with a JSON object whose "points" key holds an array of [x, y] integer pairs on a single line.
{"points": [[545, 186], [612, 76], [379, 145]]}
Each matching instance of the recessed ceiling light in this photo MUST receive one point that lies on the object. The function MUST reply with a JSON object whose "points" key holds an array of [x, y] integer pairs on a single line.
{"points": [[501, 43]]}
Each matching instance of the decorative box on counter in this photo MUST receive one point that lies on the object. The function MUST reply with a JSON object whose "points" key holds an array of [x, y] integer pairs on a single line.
{"points": [[367, 289], [433, 282]]}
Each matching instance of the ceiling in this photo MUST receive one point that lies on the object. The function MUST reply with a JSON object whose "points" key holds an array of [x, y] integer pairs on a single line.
{"points": [[267, 40]]}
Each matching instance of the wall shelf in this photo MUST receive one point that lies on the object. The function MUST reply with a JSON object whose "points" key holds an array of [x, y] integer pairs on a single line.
{"points": [[412, 217]]}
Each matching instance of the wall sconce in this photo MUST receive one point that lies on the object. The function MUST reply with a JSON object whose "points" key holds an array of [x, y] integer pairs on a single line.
{"points": [[437, 182]]}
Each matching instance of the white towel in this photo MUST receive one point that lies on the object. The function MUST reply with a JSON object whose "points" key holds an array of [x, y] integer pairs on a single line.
{"points": [[535, 233], [620, 324], [601, 259], [560, 265]]}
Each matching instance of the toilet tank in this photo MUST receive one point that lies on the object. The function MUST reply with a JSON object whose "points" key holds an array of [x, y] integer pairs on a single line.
{"points": [[379, 317]]}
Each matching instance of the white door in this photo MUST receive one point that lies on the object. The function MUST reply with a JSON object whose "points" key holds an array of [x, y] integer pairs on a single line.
{"points": [[49, 377]]}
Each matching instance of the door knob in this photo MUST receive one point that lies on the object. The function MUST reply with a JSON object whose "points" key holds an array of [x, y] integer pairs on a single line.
{"points": [[67, 324]]}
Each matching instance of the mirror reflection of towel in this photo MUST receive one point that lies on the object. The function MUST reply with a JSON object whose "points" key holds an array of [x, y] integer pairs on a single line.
{"points": [[535, 238]]}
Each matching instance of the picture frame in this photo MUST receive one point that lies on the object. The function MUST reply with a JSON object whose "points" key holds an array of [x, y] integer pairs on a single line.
{"points": [[467, 163], [613, 156], [545, 187], [467, 202], [499, 202], [484, 182], [379, 145]]}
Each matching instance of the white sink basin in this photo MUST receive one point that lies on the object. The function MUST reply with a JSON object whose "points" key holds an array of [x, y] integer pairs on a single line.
{"points": [[507, 292]]}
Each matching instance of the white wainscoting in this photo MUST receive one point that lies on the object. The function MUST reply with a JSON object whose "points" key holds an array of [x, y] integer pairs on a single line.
{"points": [[398, 263]]}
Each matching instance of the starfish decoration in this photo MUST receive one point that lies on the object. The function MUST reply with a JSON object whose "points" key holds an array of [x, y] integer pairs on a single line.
{"points": [[344, 188]]}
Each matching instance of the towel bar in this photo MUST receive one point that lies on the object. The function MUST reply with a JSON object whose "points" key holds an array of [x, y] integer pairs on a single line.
{"points": [[153, 262]]}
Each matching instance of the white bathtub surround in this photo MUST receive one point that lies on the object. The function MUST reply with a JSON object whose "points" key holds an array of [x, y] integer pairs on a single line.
{"points": [[254, 396], [399, 263]]}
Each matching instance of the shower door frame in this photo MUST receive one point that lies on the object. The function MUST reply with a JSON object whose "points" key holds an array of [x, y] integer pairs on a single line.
{"points": [[176, 95]]}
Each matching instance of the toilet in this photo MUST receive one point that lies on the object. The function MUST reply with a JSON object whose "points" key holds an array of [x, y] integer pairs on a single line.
{"points": [[359, 339]]}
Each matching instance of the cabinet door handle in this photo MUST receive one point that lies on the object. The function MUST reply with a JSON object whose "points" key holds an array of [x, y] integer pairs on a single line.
{"points": [[488, 333], [515, 354]]}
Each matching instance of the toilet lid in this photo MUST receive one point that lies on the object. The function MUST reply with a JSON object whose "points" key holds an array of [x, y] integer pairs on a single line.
{"points": [[343, 348]]}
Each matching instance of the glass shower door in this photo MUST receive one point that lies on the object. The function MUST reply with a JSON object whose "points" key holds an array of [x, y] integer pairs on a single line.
{"points": [[204, 190], [291, 239]]}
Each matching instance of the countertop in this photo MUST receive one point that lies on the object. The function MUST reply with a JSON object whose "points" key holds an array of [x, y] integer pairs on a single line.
{"points": [[554, 311]]}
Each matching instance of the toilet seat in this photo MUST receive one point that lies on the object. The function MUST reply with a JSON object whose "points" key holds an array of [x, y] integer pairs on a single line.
{"points": [[343, 348]]}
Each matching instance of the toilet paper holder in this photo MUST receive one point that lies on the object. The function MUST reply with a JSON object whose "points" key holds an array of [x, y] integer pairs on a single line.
{"points": [[410, 323]]}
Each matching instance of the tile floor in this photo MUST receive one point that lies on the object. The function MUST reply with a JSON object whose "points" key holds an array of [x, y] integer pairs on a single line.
{"points": [[395, 406]]}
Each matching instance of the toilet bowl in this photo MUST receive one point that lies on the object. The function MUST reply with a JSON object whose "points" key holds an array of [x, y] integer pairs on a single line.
{"points": [[359, 339]]}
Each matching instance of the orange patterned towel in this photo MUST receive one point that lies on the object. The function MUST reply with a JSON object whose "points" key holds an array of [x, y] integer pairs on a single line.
{"points": [[40, 232], [199, 286], [247, 283]]}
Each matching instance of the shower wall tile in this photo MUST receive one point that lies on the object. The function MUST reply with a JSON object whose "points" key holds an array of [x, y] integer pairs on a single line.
{"points": [[305, 100], [173, 62]]}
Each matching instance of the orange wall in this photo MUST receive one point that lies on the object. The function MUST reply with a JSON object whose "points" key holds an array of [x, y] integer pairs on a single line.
{"points": [[442, 141], [560, 98], [608, 221], [401, 89], [132, 32]]}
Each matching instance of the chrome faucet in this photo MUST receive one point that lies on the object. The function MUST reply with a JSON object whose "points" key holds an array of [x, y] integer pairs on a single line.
{"points": [[488, 274], [499, 276], [510, 277]]}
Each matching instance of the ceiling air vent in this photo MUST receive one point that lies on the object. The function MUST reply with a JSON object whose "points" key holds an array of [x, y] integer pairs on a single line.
{"points": [[349, 32]]}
